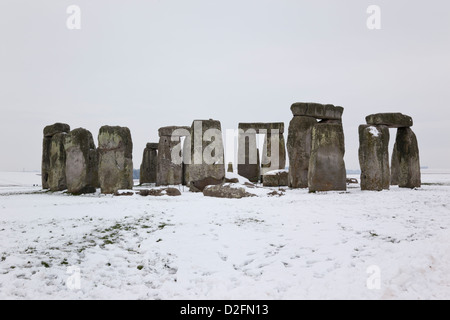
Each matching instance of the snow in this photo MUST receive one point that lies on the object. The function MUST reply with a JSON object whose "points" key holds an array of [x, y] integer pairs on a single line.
{"points": [[374, 131], [295, 246], [275, 172], [233, 175]]}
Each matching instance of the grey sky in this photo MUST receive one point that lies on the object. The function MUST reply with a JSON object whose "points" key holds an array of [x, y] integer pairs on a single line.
{"points": [[148, 64]]}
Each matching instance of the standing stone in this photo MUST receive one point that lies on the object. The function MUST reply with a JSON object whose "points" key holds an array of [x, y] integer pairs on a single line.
{"points": [[49, 132], [149, 163], [394, 167], [374, 157], [299, 150], [169, 169], [187, 158], [207, 166], [406, 150], [274, 147], [81, 162], [57, 169], [115, 163], [248, 164], [326, 166]]}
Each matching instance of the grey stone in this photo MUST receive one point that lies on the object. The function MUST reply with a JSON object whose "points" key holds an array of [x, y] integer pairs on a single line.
{"points": [[374, 157], [269, 161], [115, 151], [169, 170], [278, 179], [248, 156], [392, 120], [230, 167], [317, 110], [177, 131], [49, 132], [395, 167], [207, 154], [262, 127], [81, 162], [299, 150], [326, 166], [226, 191], [152, 146], [149, 164], [171, 192], [407, 153], [57, 165]]}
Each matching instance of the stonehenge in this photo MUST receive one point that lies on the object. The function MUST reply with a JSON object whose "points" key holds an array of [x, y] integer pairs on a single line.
{"points": [[115, 159], [147, 172], [316, 147], [194, 156], [374, 153], [274, 149]]}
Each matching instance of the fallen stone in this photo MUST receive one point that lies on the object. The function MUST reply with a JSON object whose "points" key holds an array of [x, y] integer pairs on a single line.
{"points": [[317, 110], [392, 120], [374, 157], [326, 166], [226, 191], [171, 192], [278, 178]]}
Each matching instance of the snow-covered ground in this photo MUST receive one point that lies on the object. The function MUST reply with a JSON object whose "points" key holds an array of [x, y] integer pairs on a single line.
{"points": [[294, 246]]}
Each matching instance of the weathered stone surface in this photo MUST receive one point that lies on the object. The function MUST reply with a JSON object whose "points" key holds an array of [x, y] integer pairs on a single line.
{"points": [[177, 131], [149, 164], [171, 192], [407, 153], [153, 146], [57, 165], [262, 127], [278, 178], [81, 162], [169, 169], [299, 150], [230, 167], [186, 159], [274, 153], [226, 191], [395, 167], [326, 166], [374, 157], [317, 110], [248, 156], [392, 120], [199, 185], [207, 162], [50, 131], [115, 151]]}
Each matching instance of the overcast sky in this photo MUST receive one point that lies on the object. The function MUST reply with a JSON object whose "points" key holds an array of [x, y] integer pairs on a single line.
{"points": [[148, 64]]}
